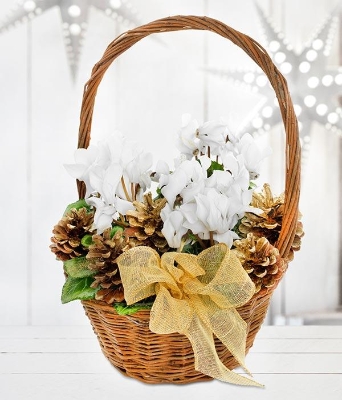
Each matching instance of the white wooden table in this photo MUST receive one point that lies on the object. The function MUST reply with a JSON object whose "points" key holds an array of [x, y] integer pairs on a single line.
{"points": [[64, 363]]}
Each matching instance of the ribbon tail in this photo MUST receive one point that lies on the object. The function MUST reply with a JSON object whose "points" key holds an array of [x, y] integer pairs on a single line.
{"points": [[206, 358], [231, 330]]}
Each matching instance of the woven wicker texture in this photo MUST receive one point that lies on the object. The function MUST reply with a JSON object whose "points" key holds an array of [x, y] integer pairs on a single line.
{"points": [[127, 341], [137, 352]]}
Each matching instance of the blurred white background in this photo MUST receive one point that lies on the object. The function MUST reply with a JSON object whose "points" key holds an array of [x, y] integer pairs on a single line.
{"points": [[144, 95]]}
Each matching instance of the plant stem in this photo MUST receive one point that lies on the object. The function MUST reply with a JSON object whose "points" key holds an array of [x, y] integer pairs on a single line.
{"points": [[121, 222], [133, 192], [200, 241], [211, 235], [125, 189]]}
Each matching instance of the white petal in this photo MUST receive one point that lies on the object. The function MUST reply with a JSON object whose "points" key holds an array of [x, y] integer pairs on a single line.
{"points": [[123, 205], [103, 221], [114, 145], [86, 156], [177, 182], [138, 167], [111, 180], [189, 212], [202, 208], [189, 193], [173, 229], [162, 168], [95, 202], [96, 175], [221, 180], [76, 170], [104, 213], [205, 162], [230, 163], [187, 142], [213, 134], [227, 237]]}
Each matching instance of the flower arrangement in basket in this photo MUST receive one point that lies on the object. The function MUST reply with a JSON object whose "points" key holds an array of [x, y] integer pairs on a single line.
{"points": [[176, 280]]}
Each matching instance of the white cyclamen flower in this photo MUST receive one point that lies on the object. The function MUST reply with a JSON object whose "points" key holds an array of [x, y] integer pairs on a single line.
{"points": [[105, 181], [212, 212], [213, 134], [118, 171], [186, 180], [173, 226], [134, 161], [220, 180], [138, 169], [102, 167], [85, 159], [161, 171], [104, 213], [187, 141], [253, 154], [236, 167]]}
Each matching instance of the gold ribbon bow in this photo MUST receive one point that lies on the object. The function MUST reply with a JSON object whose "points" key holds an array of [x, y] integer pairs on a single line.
{"points": [[196, 296]]}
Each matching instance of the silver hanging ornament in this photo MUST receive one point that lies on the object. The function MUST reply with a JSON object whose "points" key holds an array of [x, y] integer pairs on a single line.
{"points": [[74, 14], [315, 87]]}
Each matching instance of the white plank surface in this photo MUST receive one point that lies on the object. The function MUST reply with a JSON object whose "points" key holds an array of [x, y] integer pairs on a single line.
{"points": [[113, 386], [90, 363], [66, 363]]}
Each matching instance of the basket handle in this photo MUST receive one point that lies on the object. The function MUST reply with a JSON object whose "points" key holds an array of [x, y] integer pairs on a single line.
{"points": [[261, 58]]}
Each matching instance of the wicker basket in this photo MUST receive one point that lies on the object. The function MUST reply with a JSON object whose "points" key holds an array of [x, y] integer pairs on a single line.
{"points": [[126, 340]]}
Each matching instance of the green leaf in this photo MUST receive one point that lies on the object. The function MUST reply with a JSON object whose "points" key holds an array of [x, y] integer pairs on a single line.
{"points": [[159, 194], [78, 267], [192, 248], [87, 240], [78, 289], [124, 309], [215, 166], [114, 230], [78, 204], [236, 228]]}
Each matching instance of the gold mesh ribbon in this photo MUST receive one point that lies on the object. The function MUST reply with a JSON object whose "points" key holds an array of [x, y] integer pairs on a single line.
{"points": [[196, 296]]}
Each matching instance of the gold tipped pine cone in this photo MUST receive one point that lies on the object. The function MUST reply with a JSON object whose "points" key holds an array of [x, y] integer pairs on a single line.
{"points": [[268, 223], [68, 233], [146, 224], [260, 260], [102, 256], [109, 282]]}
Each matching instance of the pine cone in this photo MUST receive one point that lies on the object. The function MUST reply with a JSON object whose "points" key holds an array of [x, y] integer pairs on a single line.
{"points": [[111, 289], [269, 223], [146, 224], [68, 233], [260, 260], [297, 241], [102, 256]]}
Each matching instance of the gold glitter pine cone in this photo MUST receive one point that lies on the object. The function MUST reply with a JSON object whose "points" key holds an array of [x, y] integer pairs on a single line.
{"points": [[268, 224], [260, 260], [68, 233], [102, 256], [146, 224]]}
